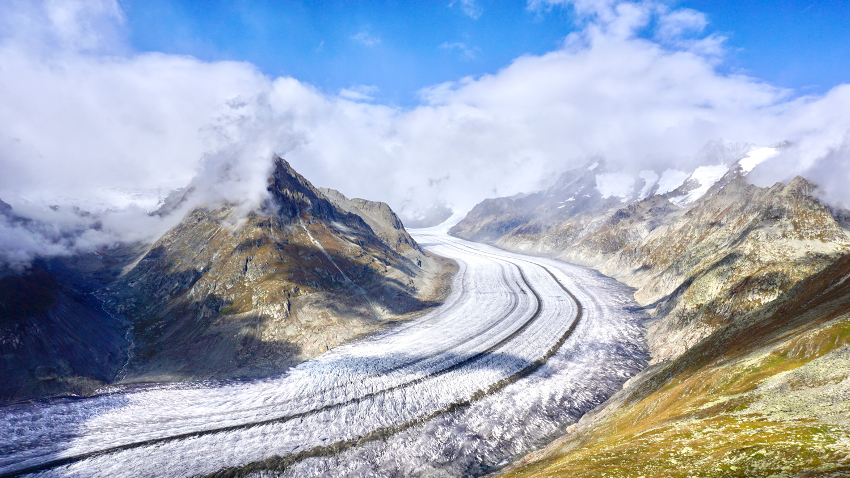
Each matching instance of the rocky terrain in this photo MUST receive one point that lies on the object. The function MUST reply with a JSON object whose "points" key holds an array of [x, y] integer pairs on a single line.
{"points": [[380, 218], [222, 295], [765, 395], [745, 289], [696, 264]]}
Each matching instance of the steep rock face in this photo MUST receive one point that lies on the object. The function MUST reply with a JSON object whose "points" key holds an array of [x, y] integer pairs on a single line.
{"points": [[221, 296], [738, 248], [381, 219]]}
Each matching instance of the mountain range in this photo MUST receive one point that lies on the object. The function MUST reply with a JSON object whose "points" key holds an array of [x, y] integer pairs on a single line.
{"points": [[746, 290]]}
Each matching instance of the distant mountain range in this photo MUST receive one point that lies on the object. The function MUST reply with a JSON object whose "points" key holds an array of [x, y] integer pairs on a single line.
{"points": [[743, 285], [699, 254], [221, 295]]}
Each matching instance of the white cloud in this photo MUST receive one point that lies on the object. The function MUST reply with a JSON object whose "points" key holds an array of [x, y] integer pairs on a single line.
{"points": [[366, 38], [680, 22], [79, 121]]}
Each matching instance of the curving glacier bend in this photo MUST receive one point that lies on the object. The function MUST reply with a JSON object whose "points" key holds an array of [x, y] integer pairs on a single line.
{"points": [[522, 348]]}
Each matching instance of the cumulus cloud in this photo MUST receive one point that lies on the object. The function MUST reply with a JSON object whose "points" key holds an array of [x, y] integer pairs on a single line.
{"points": [[86, 122]]}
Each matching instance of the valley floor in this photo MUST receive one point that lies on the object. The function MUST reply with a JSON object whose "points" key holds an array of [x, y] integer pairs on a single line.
{"points": [[521, 348]]}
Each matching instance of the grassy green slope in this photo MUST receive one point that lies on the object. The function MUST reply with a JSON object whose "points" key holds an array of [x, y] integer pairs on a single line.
{"points": [[767, 395]]}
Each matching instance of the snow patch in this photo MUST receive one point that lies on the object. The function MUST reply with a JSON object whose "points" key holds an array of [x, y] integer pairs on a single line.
{"points": [[670, 180], [593, 166], [706, 176], [615, 184], [650, 177], [756, 157]]}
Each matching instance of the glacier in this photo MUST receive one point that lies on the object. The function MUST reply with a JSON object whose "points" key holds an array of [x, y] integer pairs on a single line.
{"points": [[522, 348]]}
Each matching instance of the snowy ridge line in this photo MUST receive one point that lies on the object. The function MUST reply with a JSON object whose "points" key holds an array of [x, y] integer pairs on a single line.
{"points": [[281, 463], [382, 432]]}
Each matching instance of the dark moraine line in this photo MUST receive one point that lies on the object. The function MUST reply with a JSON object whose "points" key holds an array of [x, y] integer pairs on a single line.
{"points": [[379, 433], [278, 463]]}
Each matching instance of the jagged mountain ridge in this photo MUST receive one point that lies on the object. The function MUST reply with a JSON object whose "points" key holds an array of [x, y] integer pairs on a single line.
{"points": [[227, 295], [695, 267], [576, 200], [574, 196], [298, 276], [380, 218]]}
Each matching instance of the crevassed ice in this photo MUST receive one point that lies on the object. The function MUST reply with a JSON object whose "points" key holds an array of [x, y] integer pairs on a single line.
{"points": [[505, 311]]}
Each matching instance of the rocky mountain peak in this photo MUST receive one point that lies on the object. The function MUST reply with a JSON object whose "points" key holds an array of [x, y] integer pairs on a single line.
{"points": [[800, 186], [378, 216], [293, 194]]}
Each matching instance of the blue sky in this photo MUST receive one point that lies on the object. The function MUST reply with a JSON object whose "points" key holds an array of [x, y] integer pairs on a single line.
{"points": [[398, 47], [401, 47], [801, 44]]}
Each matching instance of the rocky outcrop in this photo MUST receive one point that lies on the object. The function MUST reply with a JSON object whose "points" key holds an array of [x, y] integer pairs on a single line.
{"points": [[381, 219]]}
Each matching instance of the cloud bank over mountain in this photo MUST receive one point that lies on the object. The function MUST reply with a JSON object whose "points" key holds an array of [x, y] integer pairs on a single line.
{"points": [[86, 121]]}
